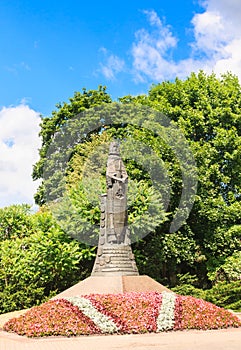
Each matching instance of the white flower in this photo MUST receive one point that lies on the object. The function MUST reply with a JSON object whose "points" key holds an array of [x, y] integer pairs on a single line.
{"points": [[166, 317], [104, 323]]}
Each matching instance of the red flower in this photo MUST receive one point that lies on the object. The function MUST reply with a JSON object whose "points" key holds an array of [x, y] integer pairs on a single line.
{"points": [[56, 317], [131, 312]]}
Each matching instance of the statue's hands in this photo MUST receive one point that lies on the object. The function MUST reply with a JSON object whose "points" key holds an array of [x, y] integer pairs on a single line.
{"points": [[121, 179]]}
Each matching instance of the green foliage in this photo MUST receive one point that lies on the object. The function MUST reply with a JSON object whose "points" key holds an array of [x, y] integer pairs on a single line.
{"points": [[51, 125], [207, 110], [222, 294], [38, 258], [86, 181], [229, 271], [74, 198], [15, 221], [187, 285], [41, 263], [188, 289], [227, 295], [35, 266]]}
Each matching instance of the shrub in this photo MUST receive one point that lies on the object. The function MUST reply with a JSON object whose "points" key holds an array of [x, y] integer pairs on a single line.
{"points": [[227, 295]]}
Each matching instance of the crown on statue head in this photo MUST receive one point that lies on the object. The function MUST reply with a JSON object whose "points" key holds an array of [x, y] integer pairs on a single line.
{"points": [[114, 148]]}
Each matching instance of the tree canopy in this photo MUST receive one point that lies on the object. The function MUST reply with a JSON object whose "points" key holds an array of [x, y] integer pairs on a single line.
{"points": [[37, 259], [206, 111]]}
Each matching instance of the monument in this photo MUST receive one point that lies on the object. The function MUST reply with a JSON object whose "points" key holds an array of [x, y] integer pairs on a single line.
{"points": [[114, 254], [115, 269]]}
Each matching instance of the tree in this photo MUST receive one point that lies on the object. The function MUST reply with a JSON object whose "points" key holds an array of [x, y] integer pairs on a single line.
{"points": [[230, 271], [15, 222], [207, 111], [147, 138], [36, 266], [51, 125]]}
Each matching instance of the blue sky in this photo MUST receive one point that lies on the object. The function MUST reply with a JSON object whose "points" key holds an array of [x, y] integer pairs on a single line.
{"points": [[50, 49]]}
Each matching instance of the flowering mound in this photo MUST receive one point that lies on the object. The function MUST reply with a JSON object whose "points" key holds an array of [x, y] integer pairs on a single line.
{"points": [[121, 313]]}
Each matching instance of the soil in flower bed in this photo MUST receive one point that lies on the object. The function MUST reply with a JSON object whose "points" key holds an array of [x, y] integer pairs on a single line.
{"points": [[121, 313]]}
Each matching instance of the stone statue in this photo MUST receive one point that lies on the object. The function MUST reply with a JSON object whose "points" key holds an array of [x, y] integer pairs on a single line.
{"points": [[116, 199], [114, 254]]}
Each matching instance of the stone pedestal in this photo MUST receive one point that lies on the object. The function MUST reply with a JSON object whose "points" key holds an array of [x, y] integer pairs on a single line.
{"points": [[115, 268], [114, 285], [115, 260]]}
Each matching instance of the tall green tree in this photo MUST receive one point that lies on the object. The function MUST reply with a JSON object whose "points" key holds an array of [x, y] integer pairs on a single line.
{"points": [[207, 111], [52, 125], [16, 222], [38, 260], [148, 140]]}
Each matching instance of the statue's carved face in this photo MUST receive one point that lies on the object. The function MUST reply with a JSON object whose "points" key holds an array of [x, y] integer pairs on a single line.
{"points": [[114, 148]]}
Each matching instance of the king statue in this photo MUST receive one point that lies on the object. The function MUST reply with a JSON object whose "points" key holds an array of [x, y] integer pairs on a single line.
{"points": [[116, 198], [114, 254]]}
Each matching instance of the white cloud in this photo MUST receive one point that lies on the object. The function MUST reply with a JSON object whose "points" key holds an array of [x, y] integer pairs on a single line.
{"points": [[216, 45], [151, 48], [210, 33], [19, 144], [218, 35], [232, 61], [229, 9], [17, 67], [112, 66]]}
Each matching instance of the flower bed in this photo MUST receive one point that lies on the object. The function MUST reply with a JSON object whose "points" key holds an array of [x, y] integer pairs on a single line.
{"points": [[121, 313], [193, 313], [55, 317]]}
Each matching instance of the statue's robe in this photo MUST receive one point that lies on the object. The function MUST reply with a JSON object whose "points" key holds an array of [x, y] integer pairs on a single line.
{"points": [[116, 204]]}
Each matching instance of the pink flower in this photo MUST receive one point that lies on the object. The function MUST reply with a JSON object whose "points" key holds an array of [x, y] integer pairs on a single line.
{"points": [[125, 313]]}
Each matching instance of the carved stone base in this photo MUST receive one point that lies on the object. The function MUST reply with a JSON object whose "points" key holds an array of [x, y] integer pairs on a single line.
{"points": [[113, 285], [115, 260]]}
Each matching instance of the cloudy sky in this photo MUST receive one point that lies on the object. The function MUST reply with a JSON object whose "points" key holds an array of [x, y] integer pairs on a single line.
{"points": [[50, 49]]}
